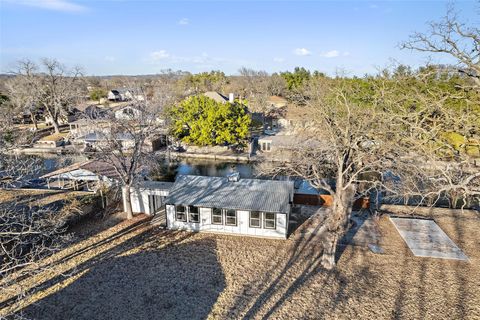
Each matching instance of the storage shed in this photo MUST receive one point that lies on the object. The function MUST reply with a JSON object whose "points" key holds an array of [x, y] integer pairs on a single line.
{"points": [[149, 196]]}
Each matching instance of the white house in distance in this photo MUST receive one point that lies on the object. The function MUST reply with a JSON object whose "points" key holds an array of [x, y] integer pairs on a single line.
{"points": [[230, 205], [127, 112], [218, 97], [124, 94]]}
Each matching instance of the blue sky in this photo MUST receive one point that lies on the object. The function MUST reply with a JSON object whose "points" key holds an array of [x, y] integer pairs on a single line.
{"points": [[145, 37]]}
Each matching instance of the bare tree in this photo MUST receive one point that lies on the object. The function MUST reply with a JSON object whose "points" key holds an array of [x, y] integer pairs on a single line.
{"points": [[338, 151], [127, 143], [21, 93], [385, 140], [29, 232], [51, 86], [15, 170], [454, 38]]}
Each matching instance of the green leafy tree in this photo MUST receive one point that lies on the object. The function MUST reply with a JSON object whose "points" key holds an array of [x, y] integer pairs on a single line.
{"points": [[203, 121], [205, 81], [98, 93], [296, 79]]}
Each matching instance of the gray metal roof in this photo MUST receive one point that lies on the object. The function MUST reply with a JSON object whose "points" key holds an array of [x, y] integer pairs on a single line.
{"points": [[155, 185], [218, 97], [246, 194]]}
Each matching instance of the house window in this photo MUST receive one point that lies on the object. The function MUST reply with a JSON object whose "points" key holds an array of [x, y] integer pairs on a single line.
{"points": [[265, 146], [255, 217], [269, 220], [217, 217], [230, 217], [180, 214], [128, 112], [193, 214]]}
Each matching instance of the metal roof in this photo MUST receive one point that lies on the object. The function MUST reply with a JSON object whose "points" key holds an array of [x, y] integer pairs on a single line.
{"points": [[245, 194], [155, 185], [88, 170], [218, 97]]}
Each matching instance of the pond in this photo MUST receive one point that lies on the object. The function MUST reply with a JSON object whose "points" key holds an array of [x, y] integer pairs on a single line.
{"points": [[167, 170], [170, 169]]}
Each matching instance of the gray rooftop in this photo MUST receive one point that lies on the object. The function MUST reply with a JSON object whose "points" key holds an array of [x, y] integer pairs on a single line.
{"points": [[155, 185], [245, 194], [218, 97]]}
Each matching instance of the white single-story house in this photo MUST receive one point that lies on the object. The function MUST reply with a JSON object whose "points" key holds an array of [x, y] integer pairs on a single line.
{"points": [[51, 141], [250, 207], [61, 120], [123, 94], [99, 140]]}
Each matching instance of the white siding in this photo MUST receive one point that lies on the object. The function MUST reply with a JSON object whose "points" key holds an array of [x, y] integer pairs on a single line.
{"points": [[242, 226], [139, 199]]}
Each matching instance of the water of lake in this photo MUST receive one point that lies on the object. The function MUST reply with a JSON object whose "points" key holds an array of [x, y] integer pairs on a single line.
{"points": [[167, 170], [170, 169]]}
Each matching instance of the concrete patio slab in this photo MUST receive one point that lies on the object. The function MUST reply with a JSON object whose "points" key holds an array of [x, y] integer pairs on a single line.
{"points": [[426, 239]]}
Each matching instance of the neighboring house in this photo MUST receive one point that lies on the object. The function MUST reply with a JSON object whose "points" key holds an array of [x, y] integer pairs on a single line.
{"points": [[236, 206], [51, 141], [96, 112], [127, 112], [98, 140], [277, 102], [282, 145], [295, 119], [114, 95], [61, 120], [82, 127], [86, 176], [218, 97], [287, 117], [124, 94]]}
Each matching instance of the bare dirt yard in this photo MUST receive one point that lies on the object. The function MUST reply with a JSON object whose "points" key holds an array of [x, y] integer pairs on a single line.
{"points": [[134, 270]]}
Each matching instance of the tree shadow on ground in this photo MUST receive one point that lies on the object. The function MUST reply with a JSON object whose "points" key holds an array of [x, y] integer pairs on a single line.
{"points": [[427, 285], [286, 276], [181, 280]]}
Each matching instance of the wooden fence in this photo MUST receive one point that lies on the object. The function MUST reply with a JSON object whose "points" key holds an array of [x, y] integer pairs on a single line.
{"points": [[326, 200]]}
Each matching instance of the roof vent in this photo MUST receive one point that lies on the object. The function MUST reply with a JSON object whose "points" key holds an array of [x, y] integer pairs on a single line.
{"points": [[233, 177]]}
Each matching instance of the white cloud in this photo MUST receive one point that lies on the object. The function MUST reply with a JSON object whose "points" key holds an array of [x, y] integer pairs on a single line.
{"points": [[56, 5], [184, 21], [278, 59], [110, 58], [331, 54], [345, 53], [159, 55], [302, 52], [373, 6]]}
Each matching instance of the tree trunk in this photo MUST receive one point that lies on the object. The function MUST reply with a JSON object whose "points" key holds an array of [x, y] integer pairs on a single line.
{"points": [[127, 202], [55, 125], [54, 119], [329, 248], [34, 120], [336, 224]]}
